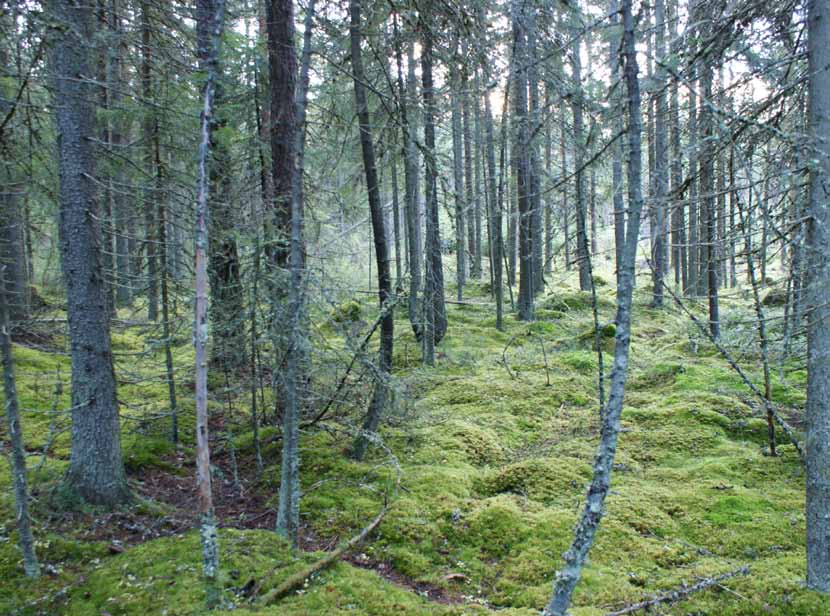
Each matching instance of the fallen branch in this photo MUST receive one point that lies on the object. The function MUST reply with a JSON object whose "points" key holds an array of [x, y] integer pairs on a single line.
{"points": [[768, 405], [299, 578], [678, 594], [293, 582], [360, 351]]}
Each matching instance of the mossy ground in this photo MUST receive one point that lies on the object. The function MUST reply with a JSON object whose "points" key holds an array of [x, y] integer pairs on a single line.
{"points": [[494, 460]]}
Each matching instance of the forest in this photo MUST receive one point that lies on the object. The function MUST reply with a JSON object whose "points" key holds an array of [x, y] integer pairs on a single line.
{"points": [[421, 307]]}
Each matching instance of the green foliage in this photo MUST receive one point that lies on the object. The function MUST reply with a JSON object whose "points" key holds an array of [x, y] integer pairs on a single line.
{"points": [[494, 469], [348, 312]]}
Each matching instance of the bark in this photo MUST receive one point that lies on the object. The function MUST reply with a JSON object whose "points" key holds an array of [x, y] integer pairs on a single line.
{"points": [[227, 310], [522, 162], [15, 283], [458, 179], [96, 470], [385, 296], [534, 168], [282, 65], [18, 453], [618, 148], [660, 205], [435, 315], [818, 290], [496, 215], [407, 101], [209, 23], [708, 203], [567, 578], [579, 147], [678, 215], [149, 128]]}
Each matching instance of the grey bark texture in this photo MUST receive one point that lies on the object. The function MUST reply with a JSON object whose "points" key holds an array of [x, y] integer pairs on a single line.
{"points": [[96, 469], [818, 294], [591, 516], [18, 453]]}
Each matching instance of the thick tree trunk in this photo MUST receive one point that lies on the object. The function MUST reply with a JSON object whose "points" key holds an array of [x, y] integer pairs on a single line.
{"points": [[96, 469], [282, 69], [495, 201], [818, 327]]}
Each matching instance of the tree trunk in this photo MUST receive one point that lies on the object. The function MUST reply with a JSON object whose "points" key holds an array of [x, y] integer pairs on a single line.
{"points": [[458, 177], [385, 296], [435, 319], [149, 128], [661, 151], [582, 255], [96, 469], [209, 22], [818, 326], [521, 160], [592, 512], [18, 453]]}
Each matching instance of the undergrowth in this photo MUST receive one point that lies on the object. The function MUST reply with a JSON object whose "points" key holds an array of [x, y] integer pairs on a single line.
{"points": [[495, 445]]}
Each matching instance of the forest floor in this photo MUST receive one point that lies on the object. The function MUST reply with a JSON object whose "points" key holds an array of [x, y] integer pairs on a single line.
{"points": [[494, 447]]}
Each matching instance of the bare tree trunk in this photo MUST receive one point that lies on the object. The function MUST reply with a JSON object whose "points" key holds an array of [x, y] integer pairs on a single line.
{"points": [[661, 151], [678, 216], [407, 101], [435, 316], [495, 213], [96, 469], [619, 147], [18, 453], [707, 189], [149, 128], [458, 177], [521, 159], [567, 578], [579, 148], [385, 295], [209, 23], [818, 327]]}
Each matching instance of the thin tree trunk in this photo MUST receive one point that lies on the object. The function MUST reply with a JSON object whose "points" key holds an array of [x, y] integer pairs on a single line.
{"points": [[209, 20], [579, 148], [435, 320], [661, 151], [567, 578], [18, 453], [149, 128], [385, 296], [458, 177]]}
